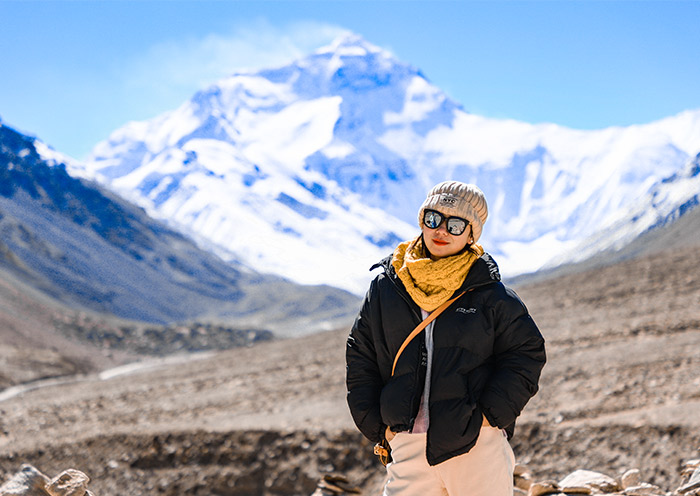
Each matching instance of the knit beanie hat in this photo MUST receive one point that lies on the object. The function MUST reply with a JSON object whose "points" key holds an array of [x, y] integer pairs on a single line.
{"points": [[456, 199]]}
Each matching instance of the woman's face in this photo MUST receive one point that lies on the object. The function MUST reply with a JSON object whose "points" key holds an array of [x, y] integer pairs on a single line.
{"points": [[441, 243]]}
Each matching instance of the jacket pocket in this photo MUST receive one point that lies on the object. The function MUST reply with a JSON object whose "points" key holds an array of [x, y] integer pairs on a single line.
{"points": [[395, 402], [470, 408]]}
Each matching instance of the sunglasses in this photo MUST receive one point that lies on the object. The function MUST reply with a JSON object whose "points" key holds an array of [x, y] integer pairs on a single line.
{"points": [[455, 225]]}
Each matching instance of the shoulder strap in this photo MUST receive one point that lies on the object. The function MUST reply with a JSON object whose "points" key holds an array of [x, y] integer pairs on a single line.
{"points": [[422, 326]]}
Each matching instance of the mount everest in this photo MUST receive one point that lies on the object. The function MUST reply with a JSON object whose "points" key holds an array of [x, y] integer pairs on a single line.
{"points": [[315, 170]]}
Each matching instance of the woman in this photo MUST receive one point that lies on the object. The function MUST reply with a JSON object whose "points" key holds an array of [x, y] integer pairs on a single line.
{"points": [[457, 388]]}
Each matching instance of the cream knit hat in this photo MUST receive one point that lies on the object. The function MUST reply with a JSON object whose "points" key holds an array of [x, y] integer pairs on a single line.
{"points": [[457, 199]]}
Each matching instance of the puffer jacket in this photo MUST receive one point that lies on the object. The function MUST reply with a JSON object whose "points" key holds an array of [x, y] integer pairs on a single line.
{"points": [[487, 359]]}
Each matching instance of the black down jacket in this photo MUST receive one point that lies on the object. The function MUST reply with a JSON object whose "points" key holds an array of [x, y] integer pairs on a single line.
{"points": [[488, 354]]}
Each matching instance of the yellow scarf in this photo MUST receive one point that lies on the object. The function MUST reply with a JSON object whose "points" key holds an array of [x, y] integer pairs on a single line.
{"points": [[429, 282]]}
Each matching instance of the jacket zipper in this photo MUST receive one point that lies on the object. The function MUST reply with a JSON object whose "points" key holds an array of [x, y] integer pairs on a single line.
{"points": [[423, 351]]}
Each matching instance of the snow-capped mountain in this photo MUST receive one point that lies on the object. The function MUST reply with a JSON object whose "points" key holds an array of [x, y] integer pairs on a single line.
{"points": [[316, 170], [89, 249], [666, 202]]}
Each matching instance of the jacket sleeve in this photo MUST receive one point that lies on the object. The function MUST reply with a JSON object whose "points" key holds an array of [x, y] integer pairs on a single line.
{"points": [[519, 356], [363, 379]]}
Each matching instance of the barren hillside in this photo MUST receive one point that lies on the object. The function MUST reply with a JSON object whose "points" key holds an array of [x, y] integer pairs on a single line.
{"points": [[30, 348]]}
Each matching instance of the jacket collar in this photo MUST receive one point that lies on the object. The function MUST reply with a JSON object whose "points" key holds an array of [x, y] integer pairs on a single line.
{"points": [[484, 271]]}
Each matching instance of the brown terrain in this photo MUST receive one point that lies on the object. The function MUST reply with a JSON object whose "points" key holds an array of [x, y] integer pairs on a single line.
{"points": [[621, 390]]}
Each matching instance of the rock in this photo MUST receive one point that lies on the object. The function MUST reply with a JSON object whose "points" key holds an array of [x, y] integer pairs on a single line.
{"points": [[630, 478], [27, 482], [522, 478], [70, 482], [590, 479], [31, 482], [596, 483], [522, 483], [688, 470], [543, 487], [691, 471], [520, 470], [333, 485], [644, 490], [693, 483], [576, 490]]}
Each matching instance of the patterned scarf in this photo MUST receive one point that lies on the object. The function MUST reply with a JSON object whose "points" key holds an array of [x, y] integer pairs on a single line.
{"points": [[429, 282]]}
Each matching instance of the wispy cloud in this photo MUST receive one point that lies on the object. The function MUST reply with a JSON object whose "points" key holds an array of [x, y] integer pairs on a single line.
{"points": [[177, 68]]}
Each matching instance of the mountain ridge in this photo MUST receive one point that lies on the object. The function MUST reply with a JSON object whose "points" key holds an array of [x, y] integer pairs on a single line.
{"points": [[339, 148], [88, 248]]}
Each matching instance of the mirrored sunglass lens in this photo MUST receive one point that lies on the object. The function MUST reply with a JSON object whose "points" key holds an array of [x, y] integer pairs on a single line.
{"points": [[432, 219], [456, 226]]}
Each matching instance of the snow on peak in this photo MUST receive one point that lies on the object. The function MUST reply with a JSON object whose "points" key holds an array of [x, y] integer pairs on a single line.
{"points": [[663, 203], [350, 44], [316, 169]]}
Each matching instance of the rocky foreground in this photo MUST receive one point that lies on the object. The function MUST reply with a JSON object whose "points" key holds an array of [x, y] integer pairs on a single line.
{"points": [[29, 481]]}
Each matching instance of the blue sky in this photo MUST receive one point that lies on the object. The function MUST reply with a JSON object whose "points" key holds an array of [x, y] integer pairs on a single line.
{"points": [[73, 71]]}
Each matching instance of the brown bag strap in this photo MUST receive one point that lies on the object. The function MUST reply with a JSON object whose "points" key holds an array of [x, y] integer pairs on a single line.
{"points": [[422, 326]]}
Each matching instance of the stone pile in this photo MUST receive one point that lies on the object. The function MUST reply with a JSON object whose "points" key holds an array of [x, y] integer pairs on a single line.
{"points": [[335, 485], [579, 482], [582, 482], [30, 482]]}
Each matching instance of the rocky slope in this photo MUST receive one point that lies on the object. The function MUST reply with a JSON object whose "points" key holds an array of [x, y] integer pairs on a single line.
{"points": [[81, 245], [30, 347], [620, 391]]}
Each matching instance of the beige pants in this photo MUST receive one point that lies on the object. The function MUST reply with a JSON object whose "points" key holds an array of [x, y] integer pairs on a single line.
{"points": [[486, 470]]}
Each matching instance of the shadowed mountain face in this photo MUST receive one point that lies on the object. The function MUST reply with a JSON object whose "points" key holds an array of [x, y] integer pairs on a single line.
{"points": [[89, 249]]}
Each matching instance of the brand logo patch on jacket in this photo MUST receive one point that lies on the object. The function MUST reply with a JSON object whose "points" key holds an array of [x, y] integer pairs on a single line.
{"points": [[466, 310]]}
